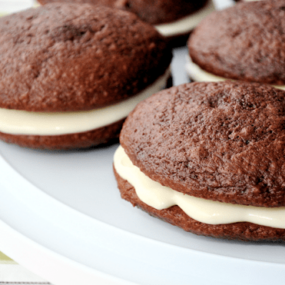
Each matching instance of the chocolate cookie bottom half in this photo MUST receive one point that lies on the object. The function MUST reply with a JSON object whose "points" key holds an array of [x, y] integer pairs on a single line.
{"points": [[197, 74], [87, 139]]}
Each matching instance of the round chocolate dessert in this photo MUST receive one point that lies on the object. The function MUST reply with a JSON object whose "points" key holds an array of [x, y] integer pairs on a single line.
{"points": [[244, 42], [209, 158], [174, 19], [71, 73]]}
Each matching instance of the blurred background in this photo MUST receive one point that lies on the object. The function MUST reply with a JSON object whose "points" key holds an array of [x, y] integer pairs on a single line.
{"points": [[9, 6]]}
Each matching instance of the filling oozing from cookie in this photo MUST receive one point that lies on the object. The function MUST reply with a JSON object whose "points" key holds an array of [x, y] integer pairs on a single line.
{"points": [[196, 73], [161, 197], [60, 123], [186, 24]]}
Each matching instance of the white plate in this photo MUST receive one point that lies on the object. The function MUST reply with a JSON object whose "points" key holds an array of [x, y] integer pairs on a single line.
{"points": [[61, 216]]}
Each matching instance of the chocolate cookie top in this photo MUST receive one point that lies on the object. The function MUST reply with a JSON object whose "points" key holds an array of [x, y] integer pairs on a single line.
{"points": [[245, 42], [153, 12], [220, 141], [71, 57]]}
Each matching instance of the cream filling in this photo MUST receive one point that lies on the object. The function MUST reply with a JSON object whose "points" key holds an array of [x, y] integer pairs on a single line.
{"points": [[210, 212], [198, 74], [185, 24], [59, 123]]}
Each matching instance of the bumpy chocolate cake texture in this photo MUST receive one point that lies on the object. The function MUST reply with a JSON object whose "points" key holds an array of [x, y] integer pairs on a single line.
{"points": [[153, 12], [244, 42], [70, 57], [219, 141], [175, 216]]}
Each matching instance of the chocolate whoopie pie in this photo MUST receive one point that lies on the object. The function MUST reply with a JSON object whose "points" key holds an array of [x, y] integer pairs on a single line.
{"points": [[244, 42], [70, 73], [209, 158], [175, 19]]}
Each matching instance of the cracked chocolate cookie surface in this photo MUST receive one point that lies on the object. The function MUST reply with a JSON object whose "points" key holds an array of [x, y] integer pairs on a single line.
{"points": [[71, 57]]}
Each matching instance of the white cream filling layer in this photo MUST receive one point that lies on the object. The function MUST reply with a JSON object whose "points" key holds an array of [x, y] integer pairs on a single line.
{"points": [[198, 74], [210, 212], [185, 24], [41, 123]]}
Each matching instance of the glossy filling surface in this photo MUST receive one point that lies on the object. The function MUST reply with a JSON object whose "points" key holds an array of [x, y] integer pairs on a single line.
{"points": [[161, 197], [41, 123]]}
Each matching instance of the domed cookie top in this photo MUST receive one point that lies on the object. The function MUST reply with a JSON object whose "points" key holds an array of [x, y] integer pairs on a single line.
{"points": [[153, 12], [245, 42], [220, 141], [70, 57]]}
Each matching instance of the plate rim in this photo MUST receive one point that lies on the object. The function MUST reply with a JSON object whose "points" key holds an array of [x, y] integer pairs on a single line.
{"points": [[10, 237]]}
